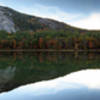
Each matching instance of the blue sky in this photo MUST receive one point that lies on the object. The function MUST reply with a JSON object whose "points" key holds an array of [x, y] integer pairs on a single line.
{"points": [[79, 13]]}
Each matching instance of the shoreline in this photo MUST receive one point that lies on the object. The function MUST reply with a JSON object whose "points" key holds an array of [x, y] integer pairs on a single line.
{"points": [[50, 50]]}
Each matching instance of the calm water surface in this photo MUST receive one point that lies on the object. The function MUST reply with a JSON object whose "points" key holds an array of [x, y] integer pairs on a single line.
{"points": [[49, 76]]}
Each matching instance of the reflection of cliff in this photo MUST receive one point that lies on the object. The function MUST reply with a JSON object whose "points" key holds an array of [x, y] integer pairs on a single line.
{"points": [[34, 67], [81, 85], [6, 74]]}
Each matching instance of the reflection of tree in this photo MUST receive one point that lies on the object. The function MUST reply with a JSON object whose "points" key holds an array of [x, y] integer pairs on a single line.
{"points": [[33, 67], [40, 56], [76, 54], [14, 55], [51, 57], [91, 56]]}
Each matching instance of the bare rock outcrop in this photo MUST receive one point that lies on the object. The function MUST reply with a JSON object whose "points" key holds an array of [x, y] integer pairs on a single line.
{"points": [[6, 22]]}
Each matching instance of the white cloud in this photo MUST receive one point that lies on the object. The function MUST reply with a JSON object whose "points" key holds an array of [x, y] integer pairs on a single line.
{"points": [[89, 22]]}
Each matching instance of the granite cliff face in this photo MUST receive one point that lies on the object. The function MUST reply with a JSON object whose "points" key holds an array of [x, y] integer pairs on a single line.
{"points": [[6, 23], [12, 21]]}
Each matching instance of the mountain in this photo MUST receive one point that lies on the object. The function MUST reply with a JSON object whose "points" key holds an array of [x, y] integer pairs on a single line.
{"points": [[12, 21]]}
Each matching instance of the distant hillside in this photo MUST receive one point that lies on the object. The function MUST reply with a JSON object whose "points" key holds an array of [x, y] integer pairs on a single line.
{"points": [[34, 33], [12, 21]]}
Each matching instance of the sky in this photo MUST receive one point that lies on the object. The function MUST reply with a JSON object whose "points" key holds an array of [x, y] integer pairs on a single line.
{"points": [[81, 85], [79, 13]]}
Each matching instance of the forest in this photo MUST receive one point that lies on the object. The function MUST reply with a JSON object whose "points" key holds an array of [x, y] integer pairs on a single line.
{"points": [[50, 39]]}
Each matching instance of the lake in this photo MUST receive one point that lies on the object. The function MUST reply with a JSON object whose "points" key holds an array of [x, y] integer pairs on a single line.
{"points": [[50, 76]]}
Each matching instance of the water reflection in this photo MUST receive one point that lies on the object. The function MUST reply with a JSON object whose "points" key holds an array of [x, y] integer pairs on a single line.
{"points": [[82, 85], [7, 74], [18, 69]]}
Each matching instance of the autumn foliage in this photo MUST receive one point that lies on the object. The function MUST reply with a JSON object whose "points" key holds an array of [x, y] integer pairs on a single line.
{"points": [[50, 39]]}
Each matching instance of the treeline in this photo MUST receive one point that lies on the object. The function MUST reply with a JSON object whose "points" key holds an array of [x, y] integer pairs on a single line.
{"points": [[50, 39]]}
